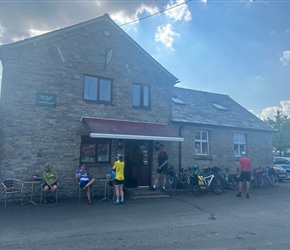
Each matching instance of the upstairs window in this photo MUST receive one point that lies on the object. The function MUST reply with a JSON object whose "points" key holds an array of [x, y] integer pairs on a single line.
{"points": [[141, 96], [201, 142], [97, 89], [239, 144], [95, 150]]}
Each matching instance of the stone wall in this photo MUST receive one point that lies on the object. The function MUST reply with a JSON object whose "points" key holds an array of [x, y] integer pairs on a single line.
{"points": [[221, 148], [33, 136]]}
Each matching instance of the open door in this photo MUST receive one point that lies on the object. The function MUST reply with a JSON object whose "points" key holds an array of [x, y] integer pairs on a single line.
{"points": [[138, 163]]}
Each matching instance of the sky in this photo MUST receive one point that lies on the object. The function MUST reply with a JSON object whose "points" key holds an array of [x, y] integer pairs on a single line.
{"points": [[239, 48]]}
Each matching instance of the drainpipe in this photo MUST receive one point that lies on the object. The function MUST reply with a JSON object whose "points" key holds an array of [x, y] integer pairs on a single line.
{"points": [[180, 152]]}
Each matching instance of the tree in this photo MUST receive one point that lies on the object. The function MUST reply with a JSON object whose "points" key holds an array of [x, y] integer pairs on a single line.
{"points": [[281, 140]]}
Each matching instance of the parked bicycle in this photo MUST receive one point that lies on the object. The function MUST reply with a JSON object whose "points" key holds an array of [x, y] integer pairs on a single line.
{"points": [[230, 181], [269, 177], [204, 182], [174, 180], [257, 178]]}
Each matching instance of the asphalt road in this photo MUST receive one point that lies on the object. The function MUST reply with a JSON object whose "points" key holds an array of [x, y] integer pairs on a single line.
{"points": [[180, 222]]}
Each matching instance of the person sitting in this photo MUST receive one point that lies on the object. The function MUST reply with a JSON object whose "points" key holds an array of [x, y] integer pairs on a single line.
{"points": [[50, 186], [85, 181]]}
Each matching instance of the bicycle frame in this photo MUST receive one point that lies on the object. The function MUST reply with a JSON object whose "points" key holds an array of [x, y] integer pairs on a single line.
{"points": [[208, 180]]}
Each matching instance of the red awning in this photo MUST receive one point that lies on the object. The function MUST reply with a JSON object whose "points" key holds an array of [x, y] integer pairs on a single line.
{"points": [[130, 130]]}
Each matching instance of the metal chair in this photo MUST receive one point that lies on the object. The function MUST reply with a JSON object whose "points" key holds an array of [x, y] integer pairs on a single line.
{"points": [[42, 191], [12, 186]]}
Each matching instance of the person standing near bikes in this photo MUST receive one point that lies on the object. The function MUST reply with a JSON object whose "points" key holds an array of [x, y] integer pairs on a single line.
{"points": [[244, 174], [162, 167]]}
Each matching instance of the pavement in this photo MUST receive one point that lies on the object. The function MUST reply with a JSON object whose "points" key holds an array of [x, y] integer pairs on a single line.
{"points": [[179, 222]]}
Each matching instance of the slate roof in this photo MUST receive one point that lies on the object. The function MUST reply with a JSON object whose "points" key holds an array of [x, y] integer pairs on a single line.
{"points": [[198, 108]]}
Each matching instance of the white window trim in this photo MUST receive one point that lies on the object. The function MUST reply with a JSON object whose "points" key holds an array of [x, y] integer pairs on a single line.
{"points": [[201, 141], [239, 143]]}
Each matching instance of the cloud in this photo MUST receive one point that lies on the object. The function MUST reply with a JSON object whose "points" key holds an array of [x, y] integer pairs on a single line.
{"points": [[165, 35], [285, 59], [124, 17], [259, 78], [180, 13], [272, 111], [20, 19]]}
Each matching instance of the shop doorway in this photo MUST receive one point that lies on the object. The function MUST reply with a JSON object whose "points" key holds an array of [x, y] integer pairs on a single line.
{"points": [[138, 158]]}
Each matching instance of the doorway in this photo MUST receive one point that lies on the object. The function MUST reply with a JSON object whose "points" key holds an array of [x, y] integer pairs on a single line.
{"points": [[137, 163]]}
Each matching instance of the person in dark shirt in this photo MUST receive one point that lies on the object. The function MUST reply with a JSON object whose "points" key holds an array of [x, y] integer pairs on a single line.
{"points": [[162, 168]]}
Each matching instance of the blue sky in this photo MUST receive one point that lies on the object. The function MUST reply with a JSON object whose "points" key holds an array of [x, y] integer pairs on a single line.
{"points": [[239, 48]]}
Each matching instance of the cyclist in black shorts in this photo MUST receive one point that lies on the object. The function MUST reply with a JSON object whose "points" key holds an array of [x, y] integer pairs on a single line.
{"points": [[162, 168]]}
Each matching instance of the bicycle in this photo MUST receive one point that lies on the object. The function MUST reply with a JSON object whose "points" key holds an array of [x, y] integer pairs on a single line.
{"points": [[257, 179], [174, 180], [230, 181], [201, 182], [270, 177]]}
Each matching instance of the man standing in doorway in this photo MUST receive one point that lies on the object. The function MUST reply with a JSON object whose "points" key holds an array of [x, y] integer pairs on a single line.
{"points": [[162, 168], [244, 174]]}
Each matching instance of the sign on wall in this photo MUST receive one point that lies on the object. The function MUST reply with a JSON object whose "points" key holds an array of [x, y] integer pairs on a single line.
{"points": [[45, 100]]}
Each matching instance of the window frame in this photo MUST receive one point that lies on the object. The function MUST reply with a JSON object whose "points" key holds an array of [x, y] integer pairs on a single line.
{"points": [[96, 142], [240, 143], [201, 141], [98, 89], [141, 95]]}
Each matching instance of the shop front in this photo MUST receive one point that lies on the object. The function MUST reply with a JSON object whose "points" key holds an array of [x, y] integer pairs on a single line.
{"points": [[137, 141]]}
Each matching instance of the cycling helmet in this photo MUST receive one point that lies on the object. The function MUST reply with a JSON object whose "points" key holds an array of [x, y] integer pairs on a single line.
{"points": [[243, 153], [120, 156]]}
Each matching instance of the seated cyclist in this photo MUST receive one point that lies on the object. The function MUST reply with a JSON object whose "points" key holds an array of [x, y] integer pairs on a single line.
{"points": [[85, 181]]}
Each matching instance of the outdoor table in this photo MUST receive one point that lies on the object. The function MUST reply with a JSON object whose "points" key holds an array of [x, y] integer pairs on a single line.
{"points": [[106, 189], [31, 182]]}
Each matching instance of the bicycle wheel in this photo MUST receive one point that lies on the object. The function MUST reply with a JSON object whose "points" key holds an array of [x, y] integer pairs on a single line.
{"points": [[216, 186], [273, 180], [195, 187], [184, 180], [171, 182], [233, 182], [265, 181], [259, 181]]}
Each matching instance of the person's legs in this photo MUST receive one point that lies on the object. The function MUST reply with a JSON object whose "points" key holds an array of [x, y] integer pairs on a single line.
{"points": [[46, 192], [90, 182], [53, 193], [241, 181], [88, 192], [54, 190], [117, 194], [248, 183], [156, 180], [164, 181], [121, 193], [240, 186]]}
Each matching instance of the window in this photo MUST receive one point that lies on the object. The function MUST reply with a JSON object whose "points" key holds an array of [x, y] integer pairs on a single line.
{"points": [[239, 144], [97, 89], [201, 142], [141, 96], [94, 150]]}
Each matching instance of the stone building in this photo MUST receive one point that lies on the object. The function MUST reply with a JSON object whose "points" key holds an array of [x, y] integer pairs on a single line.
{"points": [[84, 93], [216, 130]]}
